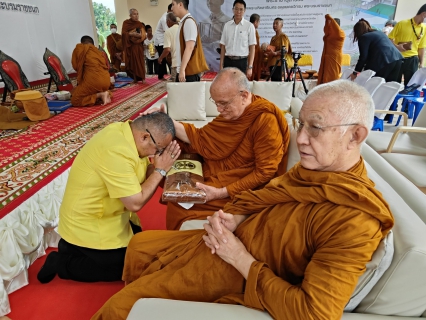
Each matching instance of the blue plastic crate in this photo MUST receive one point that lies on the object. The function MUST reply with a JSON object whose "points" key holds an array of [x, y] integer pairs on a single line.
{"points": [[58, 106]]}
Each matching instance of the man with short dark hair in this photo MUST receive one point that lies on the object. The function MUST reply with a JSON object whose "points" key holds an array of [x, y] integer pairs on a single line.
{"points": [[410, 39], [189, 50], [295, 248], [238, 41], [110, 180], [115, 47], [93, 80], [169, 46], [159, 41]]}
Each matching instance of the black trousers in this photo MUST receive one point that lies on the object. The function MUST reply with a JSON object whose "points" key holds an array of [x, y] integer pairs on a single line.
{"points": [[391, 71], [409, 67], [277, 75], [153, 66], [193, 78], [239, 64], [90, 265], [162, 68]]}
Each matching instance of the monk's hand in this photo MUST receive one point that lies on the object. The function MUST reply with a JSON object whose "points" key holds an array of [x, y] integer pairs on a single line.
{"points": [[182, 76], [149, 111], [168, 157], [220, 220], [212, 192]]}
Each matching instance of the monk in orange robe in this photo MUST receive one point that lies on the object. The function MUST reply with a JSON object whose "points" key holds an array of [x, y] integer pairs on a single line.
{"points": [[331, 59], [133, 34], [258, 52], [92, 75], [295, 248], [115, 47], [243, 148]]}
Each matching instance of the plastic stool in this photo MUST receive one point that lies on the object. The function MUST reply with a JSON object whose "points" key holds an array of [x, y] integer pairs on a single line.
{"points": [[394, 105], [414, 108], [378, 124]]}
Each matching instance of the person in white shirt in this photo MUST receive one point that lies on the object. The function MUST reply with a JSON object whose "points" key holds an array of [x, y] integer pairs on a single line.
{"points": [[170, 44], [238, 41], [151, 53], [159, 41]]}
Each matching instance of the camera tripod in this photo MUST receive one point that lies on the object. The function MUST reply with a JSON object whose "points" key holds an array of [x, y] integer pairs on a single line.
{"points": [[291, 74]]}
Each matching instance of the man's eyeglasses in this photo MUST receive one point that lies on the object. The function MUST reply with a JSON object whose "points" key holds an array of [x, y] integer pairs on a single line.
{"points": [[225, 105], [315, 130], [159, 150]]}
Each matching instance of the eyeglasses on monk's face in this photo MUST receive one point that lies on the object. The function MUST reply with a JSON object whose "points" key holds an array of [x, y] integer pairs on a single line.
{"points": [[224, 105], [314, 130], [159, 150]]}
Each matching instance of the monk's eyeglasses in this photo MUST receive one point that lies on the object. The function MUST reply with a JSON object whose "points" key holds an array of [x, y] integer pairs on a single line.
{"points": [[159, 150], [315, 130], [225, 105]]}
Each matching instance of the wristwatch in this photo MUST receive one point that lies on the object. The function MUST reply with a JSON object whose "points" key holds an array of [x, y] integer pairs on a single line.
{"points": [[250, 67], [161, 171]]}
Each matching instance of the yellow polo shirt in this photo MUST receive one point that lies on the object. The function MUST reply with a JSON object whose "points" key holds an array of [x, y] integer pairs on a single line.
{"points": [[403, 32], [107, 168]]}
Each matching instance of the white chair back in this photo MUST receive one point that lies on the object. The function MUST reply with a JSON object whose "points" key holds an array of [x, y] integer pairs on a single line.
{"points": [[346, 74], [364, 76], [373, 84], [421, 120], [384, 96], [419, 77]]}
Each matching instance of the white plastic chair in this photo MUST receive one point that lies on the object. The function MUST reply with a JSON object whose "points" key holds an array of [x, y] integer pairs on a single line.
{"points": [[373, 84], [346, 74], [384, 96], [364, 76], [418, 77]]}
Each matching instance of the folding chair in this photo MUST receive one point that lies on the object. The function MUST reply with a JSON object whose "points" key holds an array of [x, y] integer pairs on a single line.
{"points": [[373, 84], [364, 76], [383, 98]]}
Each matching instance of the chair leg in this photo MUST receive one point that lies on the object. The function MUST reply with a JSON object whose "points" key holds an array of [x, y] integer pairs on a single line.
{"points": [[4, 94], [50, 83], [417, 108]]}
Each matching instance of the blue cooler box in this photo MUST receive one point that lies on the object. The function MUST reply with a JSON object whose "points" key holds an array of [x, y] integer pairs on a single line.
{"points": [[58, 106]]}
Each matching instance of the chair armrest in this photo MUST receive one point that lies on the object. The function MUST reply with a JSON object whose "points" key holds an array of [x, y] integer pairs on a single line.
{"points": [[403, 129], [403, 114]]}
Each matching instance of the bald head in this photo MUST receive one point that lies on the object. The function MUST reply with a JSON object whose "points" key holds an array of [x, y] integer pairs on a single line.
{"points": [[231, 77], [350, 102]]}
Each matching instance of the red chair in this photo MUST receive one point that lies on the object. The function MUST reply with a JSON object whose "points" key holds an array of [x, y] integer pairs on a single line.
{"points": [[12, 75], [57, 72]]}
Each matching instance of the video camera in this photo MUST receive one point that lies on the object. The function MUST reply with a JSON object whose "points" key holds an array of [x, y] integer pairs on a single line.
{"points": [[297, 56]]}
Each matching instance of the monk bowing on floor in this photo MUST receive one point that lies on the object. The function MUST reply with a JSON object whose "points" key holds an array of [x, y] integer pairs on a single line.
{"points": [[243, 148], [295, 248], [92, 75], [133, 34]]}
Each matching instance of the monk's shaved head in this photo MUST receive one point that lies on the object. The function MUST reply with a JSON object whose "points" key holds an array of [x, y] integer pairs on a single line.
{"points": [[351, 102], [87, 40], [232, 77]]}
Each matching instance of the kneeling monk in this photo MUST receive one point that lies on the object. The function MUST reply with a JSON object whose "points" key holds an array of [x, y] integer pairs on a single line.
{"points": [[92, 75], [243, 148], [295, 248]]}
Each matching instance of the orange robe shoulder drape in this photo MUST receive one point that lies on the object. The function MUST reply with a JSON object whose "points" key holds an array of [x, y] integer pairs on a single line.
{"points": [[331, 59], [278, 41], [112, 49], [133, 49], [92, 74], [311, 232], [238, 154], [258, 59]]}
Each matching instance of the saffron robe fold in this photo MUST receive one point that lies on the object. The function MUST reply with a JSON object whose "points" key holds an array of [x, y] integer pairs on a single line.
{"points": [[258, 59], [92, 74], [331, 59], [112, 40], [238, 154], [311, 232], [134, 55]]}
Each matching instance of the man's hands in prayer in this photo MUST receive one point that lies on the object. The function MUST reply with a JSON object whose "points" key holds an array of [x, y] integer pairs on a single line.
{"points": [[212, 192], [231, 249], [167, 158]]}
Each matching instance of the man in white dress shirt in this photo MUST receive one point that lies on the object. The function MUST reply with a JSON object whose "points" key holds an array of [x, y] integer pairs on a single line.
{"points": [[159, 41], [170, 44], [238, 41]]}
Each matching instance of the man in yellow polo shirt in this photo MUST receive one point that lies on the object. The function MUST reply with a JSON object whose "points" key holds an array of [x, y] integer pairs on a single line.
{"points": [[409, 37], [110, 178]]}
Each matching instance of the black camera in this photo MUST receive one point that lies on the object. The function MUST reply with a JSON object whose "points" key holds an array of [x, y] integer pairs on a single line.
{"points": [[297, 55], [138, 30]]}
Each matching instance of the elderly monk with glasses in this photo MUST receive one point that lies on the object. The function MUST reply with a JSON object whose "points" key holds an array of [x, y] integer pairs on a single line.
{"points": [[295, 248], [243, 148], [110, 180]]}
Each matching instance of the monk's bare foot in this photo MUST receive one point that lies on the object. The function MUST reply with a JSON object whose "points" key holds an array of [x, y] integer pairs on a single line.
{"points": [[104, 96]]}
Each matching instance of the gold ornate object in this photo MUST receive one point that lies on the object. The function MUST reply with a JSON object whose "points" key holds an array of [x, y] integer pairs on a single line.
{"points": [[151, 49]]}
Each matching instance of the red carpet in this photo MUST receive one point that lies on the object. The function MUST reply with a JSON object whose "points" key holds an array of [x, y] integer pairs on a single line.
{"points": [[33, 157], [69, 300]]}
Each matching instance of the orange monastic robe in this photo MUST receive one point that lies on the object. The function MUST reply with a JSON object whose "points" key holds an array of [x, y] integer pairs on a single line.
{"points": [[238, 154], [331, 59], [134, 55], [279, 41], [258, 59], [92, 74], [112, 40], [311, 233]]}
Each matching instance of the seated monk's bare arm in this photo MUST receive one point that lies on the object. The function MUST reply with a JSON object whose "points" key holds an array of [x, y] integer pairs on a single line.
{"points": [[135, 202], [268, 148]]}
